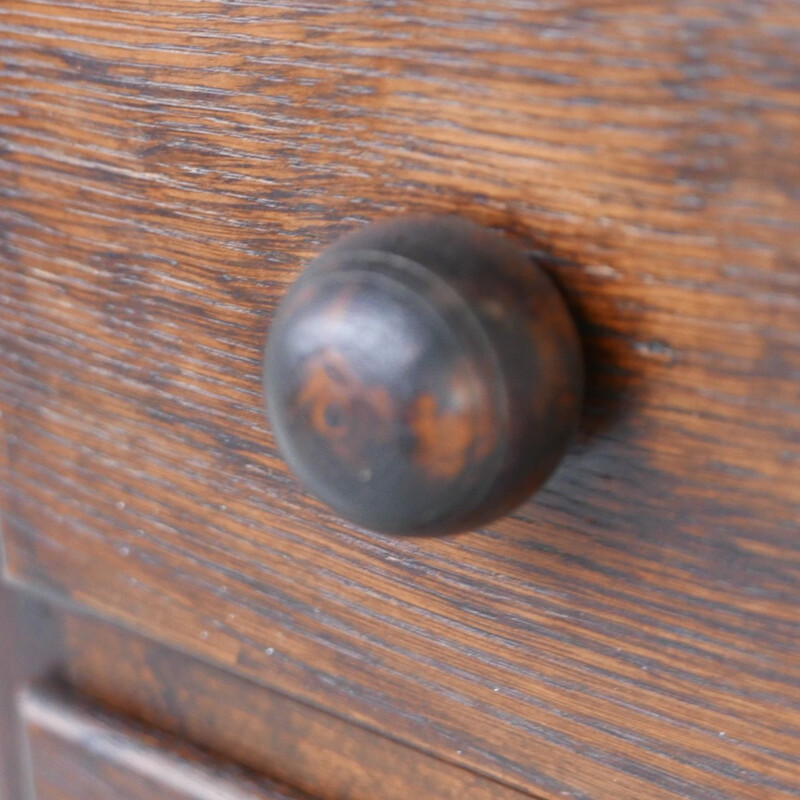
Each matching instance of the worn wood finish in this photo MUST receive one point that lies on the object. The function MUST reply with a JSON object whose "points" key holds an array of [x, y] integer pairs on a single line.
{"points": [[245, 723], [79, 752], [422, 376], [168, 168], [239, 722]]}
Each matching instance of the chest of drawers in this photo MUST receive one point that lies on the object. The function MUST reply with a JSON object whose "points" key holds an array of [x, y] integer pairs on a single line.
{"points": [[166, 171]]}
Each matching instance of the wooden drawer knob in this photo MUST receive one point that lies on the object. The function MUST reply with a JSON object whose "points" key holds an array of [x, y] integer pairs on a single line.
{"points": [[423, 376]]}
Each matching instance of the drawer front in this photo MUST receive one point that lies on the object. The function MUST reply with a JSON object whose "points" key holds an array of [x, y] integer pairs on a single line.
{"points": [[166, 172], [77, 752], [116, 676]]}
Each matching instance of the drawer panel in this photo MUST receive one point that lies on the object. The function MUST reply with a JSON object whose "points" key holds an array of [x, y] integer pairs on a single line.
{"points": [[266, 731], [80, 753], [630, 632], [238, 721]]}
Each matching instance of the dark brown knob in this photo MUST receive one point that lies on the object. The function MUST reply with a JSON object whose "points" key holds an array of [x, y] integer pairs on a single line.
{"points": [[423, 376]]}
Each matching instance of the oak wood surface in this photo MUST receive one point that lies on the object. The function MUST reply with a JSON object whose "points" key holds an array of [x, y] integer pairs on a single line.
{"points": [[235, 721], [245, 723], [79, 752], [166, 171]]}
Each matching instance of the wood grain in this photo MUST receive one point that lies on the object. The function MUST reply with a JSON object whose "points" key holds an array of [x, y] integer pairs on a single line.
{"points": [[245, 723], [233, 720], [166, 171], [78, 752]]}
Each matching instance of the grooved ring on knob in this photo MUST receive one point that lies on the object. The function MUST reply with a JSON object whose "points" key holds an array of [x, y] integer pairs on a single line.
{"points": [[423, 376]]}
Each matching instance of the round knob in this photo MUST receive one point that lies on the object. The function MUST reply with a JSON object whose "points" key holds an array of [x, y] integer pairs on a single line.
{"points": [[423, 376]]}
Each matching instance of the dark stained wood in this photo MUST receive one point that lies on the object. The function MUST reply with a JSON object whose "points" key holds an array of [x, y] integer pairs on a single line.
{"points": [[422, 376], [234, 720], [248, 724], [167, 170], [78, 752]]}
